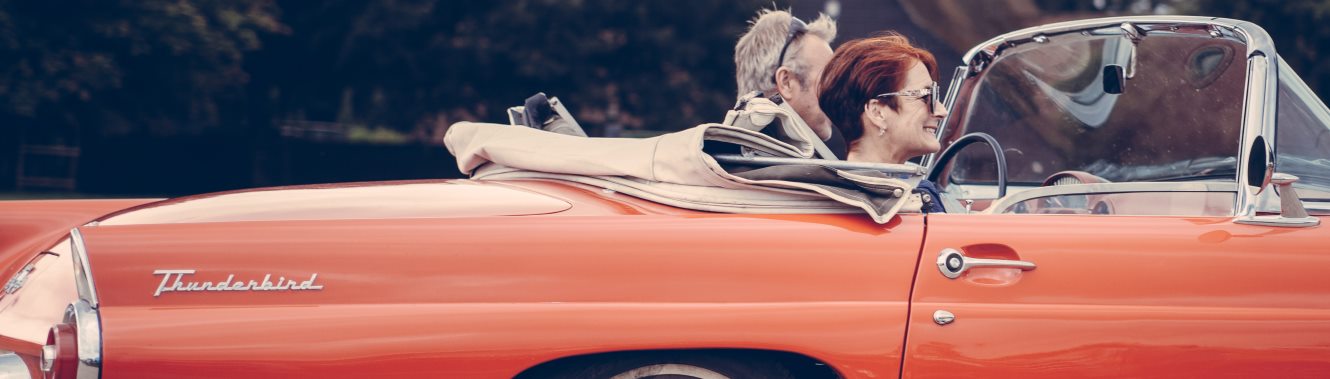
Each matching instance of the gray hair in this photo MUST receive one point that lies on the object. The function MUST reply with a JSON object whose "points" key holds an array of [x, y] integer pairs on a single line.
{"points": [[756, 53]]}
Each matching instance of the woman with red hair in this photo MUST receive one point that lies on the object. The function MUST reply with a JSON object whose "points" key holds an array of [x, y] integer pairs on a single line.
{"points": [[881, 92]]}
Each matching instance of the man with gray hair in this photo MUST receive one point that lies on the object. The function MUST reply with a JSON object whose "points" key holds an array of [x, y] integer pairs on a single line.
{"points": [[781, 55]]}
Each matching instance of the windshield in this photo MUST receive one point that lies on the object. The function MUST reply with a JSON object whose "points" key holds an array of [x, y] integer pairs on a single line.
{"points": [[1178, 114], [1303, 140]]}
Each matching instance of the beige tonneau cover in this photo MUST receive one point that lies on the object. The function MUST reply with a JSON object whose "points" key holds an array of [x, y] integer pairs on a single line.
{"points": [[679, 169]]}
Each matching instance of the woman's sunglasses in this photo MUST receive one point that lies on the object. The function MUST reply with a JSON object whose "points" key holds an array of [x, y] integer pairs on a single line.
{"points": [[927, 94]]}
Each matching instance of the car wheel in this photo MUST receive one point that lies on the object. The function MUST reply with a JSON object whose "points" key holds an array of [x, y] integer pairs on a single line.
{"points": [[679, 367]]}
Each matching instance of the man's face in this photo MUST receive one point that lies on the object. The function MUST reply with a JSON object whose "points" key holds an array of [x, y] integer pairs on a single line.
{"points": [[815, 52]]}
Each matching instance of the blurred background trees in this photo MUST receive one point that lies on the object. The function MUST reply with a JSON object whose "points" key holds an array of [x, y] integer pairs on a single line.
{"points": [[194, 66], [178, 96], [121, 66]]}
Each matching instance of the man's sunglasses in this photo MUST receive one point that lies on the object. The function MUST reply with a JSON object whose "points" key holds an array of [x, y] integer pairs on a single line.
{"points": [[797, 28], [927, 94]]}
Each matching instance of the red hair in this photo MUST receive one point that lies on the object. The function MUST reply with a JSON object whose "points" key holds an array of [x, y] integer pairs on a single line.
{"points": [[864, 68]]}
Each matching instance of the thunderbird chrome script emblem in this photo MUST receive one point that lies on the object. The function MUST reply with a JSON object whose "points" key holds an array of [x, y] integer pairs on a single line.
{"points": [[230, 284]]}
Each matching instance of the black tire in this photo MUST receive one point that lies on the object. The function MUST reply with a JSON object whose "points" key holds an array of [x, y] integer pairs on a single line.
{"points": [[679, 366]]}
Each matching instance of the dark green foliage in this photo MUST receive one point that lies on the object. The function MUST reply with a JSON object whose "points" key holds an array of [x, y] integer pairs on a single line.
{"points": [[191, 66], [404, 69], [128, 64], [420, 65]]}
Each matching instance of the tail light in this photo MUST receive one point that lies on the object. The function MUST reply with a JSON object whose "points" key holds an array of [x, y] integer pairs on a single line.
{"points": [[60, 355], [73, 347]]}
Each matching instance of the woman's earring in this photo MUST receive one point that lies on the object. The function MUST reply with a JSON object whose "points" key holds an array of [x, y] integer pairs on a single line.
{"points": [[881, 131]]}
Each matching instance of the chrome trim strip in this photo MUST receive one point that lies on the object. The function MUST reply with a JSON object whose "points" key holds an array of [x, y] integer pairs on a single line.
{"points": [[1316, 205], [82, 270], [890, 168], [1280, 221], [88, 325], [1102, 188], [12, 367]]}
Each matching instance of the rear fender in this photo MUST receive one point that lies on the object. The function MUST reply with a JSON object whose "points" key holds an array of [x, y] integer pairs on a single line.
{"points": [[26, 227]]}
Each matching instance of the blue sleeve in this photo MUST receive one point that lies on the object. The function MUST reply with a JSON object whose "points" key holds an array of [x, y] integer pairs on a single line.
{"points": [[932, 199]]}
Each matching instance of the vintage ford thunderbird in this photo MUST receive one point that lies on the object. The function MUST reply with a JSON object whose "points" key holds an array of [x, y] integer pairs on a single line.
{"points": [[1152, 205]]}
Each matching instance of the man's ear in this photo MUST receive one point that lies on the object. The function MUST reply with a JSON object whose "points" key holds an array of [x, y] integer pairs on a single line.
{"points": [[785, 82]]}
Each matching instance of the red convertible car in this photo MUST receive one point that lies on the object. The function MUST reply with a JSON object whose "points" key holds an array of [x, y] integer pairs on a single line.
{"points": [[1150, 204]]}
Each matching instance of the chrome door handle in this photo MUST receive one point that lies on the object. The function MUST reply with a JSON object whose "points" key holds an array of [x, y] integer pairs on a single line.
{"points": [[952, 263]]}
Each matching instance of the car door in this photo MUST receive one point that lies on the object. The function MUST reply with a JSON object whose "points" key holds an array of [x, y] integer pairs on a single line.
{"points": [[1121, 296]]}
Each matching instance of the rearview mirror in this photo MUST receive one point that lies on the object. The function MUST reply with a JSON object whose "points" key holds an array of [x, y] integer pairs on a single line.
{"points": [[1261, 165]]}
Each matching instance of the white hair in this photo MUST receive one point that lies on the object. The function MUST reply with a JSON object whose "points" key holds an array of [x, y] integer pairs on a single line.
{"points": [[756, 53]]}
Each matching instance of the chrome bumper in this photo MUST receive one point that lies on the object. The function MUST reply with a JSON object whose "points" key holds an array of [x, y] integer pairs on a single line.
{"points": [[12, 367]]}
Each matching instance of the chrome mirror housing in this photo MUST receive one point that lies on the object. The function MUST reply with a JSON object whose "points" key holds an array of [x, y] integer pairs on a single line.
{"points": [[1291, 211]]}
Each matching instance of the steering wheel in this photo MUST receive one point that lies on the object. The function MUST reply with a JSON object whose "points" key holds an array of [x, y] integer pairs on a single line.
{"points": [[961, 143], [1072, 177]]}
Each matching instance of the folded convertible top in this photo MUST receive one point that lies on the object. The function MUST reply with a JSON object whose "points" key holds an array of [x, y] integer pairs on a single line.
{"points": [[679, 168]]}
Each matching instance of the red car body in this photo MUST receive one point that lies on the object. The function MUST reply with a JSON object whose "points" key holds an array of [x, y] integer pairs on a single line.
{"points": [[493, 295]]}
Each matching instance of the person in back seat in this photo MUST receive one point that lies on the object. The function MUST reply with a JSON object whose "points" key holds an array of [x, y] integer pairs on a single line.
{"points": [[782, 55]]}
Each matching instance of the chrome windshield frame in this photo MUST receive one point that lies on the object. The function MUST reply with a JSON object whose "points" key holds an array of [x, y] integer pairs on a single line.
{"points": [[957, 77], [1259, 99]]}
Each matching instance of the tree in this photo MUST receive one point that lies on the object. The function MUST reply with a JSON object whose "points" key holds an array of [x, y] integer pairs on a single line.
{"points": [[420, 65], [128, 65]]}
